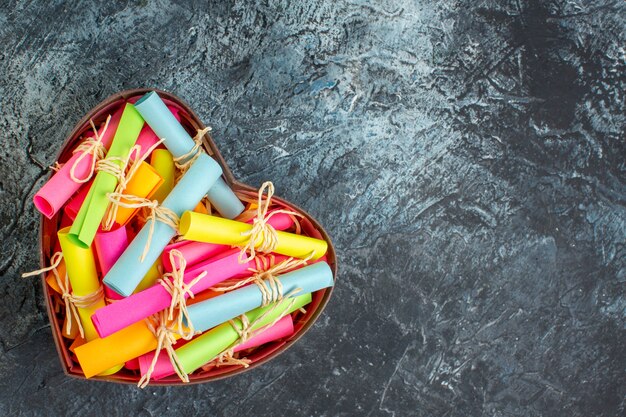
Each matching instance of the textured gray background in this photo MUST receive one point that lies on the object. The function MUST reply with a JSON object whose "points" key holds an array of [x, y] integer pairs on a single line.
{"points": [[467, 157]]}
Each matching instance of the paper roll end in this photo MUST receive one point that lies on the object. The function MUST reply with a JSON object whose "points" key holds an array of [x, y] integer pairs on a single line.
{"points": [[66, 235], [145, 98], [43, 206], [88, 367], [112, 285], [185, 223], [321, 251]]}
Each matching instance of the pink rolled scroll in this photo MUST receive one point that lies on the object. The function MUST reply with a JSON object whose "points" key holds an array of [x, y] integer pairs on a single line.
{"points": [[194, 252], [282, 328], [109, 247], [60, 187], [143, 304]]}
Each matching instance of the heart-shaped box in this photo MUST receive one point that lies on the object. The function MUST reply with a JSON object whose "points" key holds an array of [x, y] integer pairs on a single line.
{"points": [[191, 122]]}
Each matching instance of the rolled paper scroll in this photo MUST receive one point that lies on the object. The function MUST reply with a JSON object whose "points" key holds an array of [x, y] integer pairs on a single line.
{"points": [[72, 208], [214, 311], [207, 346], [60, 187], [137, 339], [129, 269], [211, 229], [60, 269], [147, 138], [224, 200], [93, 209], [180, 144], [81, 271], [282, 328], [163, 162], [100, 354], [194, 252], [151, 277], [144, 183], [141, 305], [109, 246], [163, 367]]}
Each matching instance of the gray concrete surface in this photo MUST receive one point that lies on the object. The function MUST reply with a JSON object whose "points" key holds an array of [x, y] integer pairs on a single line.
{"points": [[467, 157]]}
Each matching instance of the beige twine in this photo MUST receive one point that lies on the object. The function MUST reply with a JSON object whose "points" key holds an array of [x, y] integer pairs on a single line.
{"points": [[272, 292], [183, 162], [265, 267], [91, 146], [177, 288], [168, 323], [227, 358], [262, 237], [123, 176], [158, 324], [157, 213], [72, 302], [245, 216]]}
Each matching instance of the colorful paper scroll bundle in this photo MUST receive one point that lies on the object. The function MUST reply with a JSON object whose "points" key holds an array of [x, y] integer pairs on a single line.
{"points": [[159, 270]]}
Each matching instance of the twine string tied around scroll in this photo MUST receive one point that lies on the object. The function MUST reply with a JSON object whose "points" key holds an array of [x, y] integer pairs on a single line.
{"points": [[72, 302], [174, 283], [160, 326], [158, 213], [266, 266], [262, 237], [90, 146], [272, 294], [228, 358], [183, 162], [123, 170]]}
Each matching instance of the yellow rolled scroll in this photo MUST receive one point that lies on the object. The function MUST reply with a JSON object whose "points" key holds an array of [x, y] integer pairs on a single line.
{"points": [[81, 271], [163, 162], [212, 229], [151, 277], [69, 329]]}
